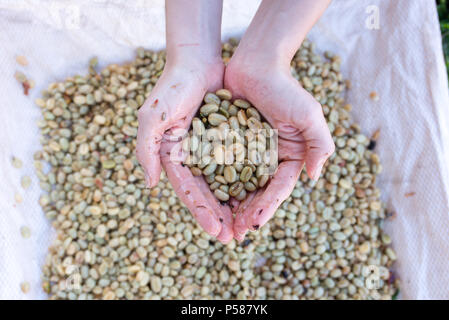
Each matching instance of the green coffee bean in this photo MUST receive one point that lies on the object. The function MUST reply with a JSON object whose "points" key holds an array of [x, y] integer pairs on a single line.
{"points": [[220, 169], [196, 171], [262, 180], [232, 110], [255, 157], [224, 129], [249, 186], [253, 180], [236, 188], [215, 119], [261, 170], [186, 144], [234, 123], [270, 157], [238, 149], [210, 168], [220, 179], [238, 166], [224, 112], [253, 113], [230, 174], [214, 185], [246, 174], [233, 136], [225, 105], [229, 157], [241, 196], [250, 136], [224, 94], [219, 154], [254, 124], [213, 134], [242, 103], [208, 109], [189, 160], [221, 195], [210, 178], [249, 163], [205, 160], [206, 149], [16, 162], [241, 116], [268, 131], [212, 98], [198, 127]]}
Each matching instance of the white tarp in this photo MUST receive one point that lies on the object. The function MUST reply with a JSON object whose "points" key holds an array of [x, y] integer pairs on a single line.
{"points": [[401, 60]]}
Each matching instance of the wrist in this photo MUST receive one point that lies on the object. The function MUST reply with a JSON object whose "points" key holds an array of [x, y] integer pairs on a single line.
{"points": [[193, 60], [254, 60], [208, 70], [193, 53]]}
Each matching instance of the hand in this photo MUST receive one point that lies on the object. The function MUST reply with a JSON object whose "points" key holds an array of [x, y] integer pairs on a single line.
{"points": [[303, 135], [170, 107]]}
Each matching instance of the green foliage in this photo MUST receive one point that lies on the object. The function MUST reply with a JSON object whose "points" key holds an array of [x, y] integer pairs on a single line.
{"points": [[443, 12]]}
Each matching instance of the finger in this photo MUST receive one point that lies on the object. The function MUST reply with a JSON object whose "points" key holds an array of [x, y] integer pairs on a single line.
{"points": [[234, 204], [291, 149], [318, 139], [223, 212], [214, 218], [240, 223], [149, 137], [188, 191], [267, 200]]}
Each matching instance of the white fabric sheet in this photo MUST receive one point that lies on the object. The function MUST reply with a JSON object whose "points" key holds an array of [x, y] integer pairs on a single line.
{"points": [[401, 60]]}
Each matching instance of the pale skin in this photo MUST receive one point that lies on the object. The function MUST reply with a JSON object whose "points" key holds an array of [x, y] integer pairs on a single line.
{"points": [[259, 71]]}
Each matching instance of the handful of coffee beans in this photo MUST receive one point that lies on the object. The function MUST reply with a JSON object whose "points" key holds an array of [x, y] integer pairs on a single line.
{"points": [[231, 145]]}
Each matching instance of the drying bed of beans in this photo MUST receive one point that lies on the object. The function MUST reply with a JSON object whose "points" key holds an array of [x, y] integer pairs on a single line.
{"points": [[117, 239]]}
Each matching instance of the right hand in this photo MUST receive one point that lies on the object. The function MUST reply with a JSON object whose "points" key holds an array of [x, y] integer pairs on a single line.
{"points": [[171, 106], [303, 134]]}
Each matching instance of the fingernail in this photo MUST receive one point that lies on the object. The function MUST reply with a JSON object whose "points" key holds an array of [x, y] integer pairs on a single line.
{"points": [[147, 180], [240, 237], [317, 173]]}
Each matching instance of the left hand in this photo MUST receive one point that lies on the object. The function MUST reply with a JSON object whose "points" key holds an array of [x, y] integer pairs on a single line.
{"points": [[167, 112]]}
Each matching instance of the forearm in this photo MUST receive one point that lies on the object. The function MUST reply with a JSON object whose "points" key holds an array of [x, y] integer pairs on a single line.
{"points": [[193, 30], [278, 29]]}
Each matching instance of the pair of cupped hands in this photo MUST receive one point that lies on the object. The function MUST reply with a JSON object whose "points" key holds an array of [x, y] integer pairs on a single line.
{"points": [[303, 136]]}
